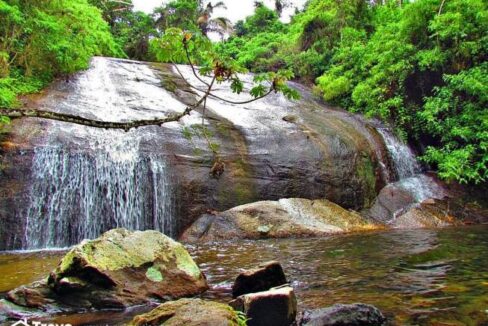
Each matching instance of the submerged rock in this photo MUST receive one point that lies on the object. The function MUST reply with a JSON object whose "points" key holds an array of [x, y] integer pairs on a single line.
{"points": [[275, 307], [263, 278], [357, 314], [427, 214], [278, 219], [188, 312], [117, 270]]}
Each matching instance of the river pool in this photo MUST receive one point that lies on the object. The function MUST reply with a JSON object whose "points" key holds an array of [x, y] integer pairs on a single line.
{"points": [[417, 277]]}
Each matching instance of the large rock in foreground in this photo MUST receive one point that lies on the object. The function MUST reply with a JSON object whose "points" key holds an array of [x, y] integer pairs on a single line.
{"points": [[277, 219], [117, 270], [188, 312]]}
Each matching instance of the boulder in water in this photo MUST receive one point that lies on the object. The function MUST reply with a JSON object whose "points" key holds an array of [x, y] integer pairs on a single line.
{"points": [[357, 314], [391, 201], [117, 270], [293, 217], [428, 214], [189, 312], [263, 278], [275, 307], [396, 198]]}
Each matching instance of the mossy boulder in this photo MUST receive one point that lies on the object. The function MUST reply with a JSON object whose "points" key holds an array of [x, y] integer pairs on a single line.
{"points": [[189, 312], [117, 270], [293, 217]]}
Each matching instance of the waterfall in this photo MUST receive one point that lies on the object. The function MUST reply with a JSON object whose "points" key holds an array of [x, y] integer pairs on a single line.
{"points": [[79, 195], [407, 169], [404, 161], [85, 181]]}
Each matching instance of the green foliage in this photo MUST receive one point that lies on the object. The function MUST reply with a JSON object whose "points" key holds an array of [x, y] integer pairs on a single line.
{"points": [[192, 16], [170, 47], [257, 42], [131, 30], [40, 40], [178, 46], [241, 318], [263, 20], [417, 70], [457, 115], [420, 66], [181, 14]]}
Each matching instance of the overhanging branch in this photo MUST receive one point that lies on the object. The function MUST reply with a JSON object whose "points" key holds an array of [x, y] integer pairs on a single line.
{"points": [[64, 117], [20, 113]]}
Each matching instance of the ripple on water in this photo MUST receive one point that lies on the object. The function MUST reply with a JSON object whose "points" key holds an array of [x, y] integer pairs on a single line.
{"points": [[421, 277]]}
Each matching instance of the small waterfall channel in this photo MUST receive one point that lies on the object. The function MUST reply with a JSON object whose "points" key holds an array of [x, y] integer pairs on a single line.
{"points": [[86, 181], [409, 176]]}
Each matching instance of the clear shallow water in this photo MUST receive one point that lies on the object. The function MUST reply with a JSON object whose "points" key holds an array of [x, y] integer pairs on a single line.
{"points": [[417, 277]]}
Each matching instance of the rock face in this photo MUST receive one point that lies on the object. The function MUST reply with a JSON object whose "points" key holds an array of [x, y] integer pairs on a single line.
{"points": [[117, 270], [263, 278], [357, 314], [188, 312], [275, 307], [277, 219], [319, 153]]}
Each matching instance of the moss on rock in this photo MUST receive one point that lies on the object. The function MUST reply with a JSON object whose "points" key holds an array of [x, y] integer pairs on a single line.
{"points": [[189, 312], [117, 270]]}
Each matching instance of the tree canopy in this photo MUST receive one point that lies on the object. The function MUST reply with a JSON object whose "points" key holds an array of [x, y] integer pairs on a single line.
{"points": [[419, 66], [43, 39]]}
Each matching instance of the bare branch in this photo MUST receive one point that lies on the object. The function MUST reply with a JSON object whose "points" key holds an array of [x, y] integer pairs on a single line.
{"points": [[441, 7], [192, 66], [243, 102], [64, 117], [20, 113]]}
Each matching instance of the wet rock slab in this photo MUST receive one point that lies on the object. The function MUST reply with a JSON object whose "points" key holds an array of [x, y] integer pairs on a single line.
{"points": [[118, 270], [293, 217], [273, 148], [432, 213]]}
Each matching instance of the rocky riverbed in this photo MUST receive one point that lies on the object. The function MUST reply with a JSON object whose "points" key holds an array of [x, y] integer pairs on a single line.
{"points": [[411, 276]]}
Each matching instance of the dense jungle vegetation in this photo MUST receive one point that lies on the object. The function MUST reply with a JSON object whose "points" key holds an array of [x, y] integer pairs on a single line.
{"points": [[420, 65]]}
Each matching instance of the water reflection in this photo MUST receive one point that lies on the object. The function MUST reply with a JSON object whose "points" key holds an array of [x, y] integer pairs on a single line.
{"points": [[418, 277], [425, 277]]}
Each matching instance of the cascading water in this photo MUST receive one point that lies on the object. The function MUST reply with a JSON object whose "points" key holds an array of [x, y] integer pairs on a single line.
{"points": [[404, 161], [77, 195], [86, 181], [410, 187]]}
